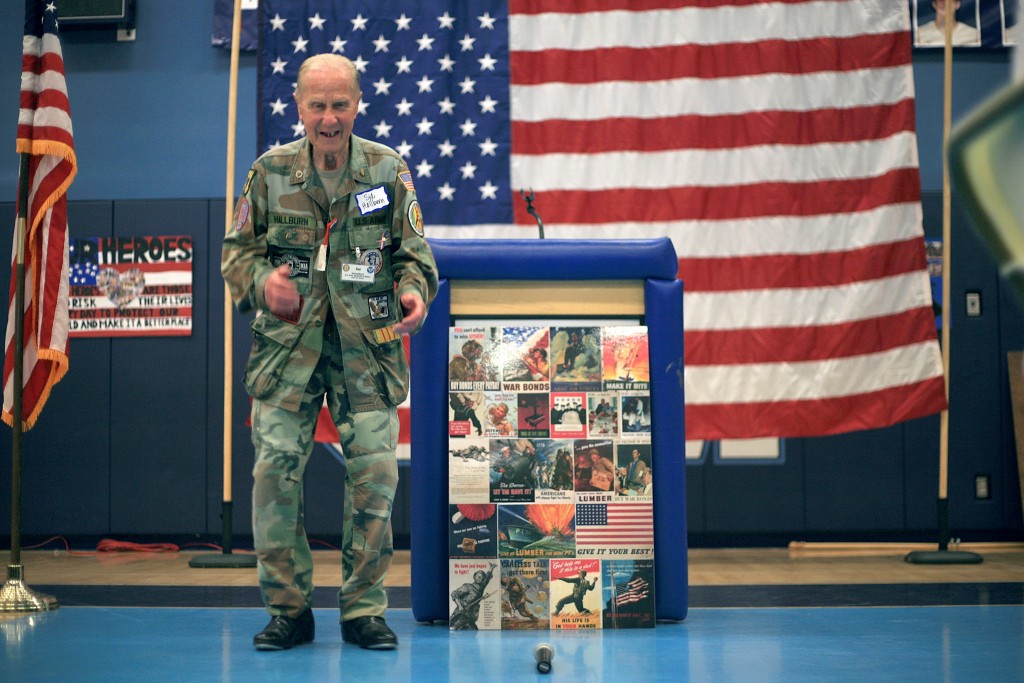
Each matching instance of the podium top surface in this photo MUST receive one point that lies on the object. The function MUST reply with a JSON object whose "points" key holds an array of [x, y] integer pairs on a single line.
{"points": [[548, 259]]}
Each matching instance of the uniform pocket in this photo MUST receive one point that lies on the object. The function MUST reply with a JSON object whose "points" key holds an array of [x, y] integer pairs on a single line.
{"points": [[394, 368], [371, 246], [273, 343]]}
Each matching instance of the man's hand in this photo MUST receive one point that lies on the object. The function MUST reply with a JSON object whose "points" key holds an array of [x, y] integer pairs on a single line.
{"points": [[413, 309], [281, 294]]}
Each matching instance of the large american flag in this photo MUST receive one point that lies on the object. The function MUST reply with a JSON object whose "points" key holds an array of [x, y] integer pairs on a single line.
{"points": [[44, 133], [773, 142]]}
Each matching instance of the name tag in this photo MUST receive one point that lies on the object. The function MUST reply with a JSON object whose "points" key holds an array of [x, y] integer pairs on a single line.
{"points": [[372, 200], [357, 272]]}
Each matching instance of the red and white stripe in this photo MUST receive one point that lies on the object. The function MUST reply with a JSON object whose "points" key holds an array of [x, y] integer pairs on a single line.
{"points": [[44, 132], [774, 143]]}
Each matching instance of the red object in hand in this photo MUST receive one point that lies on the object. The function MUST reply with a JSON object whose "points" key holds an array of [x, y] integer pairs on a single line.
{"points": [[293, 318]]}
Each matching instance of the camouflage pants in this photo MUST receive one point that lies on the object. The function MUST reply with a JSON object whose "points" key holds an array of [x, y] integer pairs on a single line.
{"points": [[284, 442]]}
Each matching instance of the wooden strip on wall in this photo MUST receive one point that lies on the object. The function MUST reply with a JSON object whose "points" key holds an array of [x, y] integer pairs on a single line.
{"points": [[1015, 365], [500, 298]]}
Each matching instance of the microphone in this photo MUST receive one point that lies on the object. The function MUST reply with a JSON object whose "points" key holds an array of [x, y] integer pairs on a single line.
{"points": [[544, 653], [530, 209]]}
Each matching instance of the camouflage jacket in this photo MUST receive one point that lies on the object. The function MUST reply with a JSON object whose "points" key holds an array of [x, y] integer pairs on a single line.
{"points": [[375, 225]]}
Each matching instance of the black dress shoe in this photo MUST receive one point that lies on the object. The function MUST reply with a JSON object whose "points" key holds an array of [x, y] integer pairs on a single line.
{"points": [[371, 633], [283, 633]]}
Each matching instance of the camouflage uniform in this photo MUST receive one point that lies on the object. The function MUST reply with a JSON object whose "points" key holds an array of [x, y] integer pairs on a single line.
{"points": [[342, 345]]}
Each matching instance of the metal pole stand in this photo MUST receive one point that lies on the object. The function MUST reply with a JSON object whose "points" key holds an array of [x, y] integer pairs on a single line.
{"points": [[15, 596], [226, 559], [943, 555]]}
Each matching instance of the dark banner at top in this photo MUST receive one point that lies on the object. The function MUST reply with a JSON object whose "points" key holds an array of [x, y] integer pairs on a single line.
{"points": [[975, 23], [223, 18]]}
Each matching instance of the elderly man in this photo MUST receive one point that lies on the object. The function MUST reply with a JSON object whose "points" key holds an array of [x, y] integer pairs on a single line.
{"points": [[327, 247]]}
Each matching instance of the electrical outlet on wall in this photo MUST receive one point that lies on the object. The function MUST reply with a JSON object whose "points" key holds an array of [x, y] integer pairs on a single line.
{"points": [[972, 302], [982, 487]]}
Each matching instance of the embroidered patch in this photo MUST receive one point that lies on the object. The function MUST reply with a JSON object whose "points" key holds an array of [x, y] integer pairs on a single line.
{"points": [[378, 306], [416, 218], [282, 219], [376, 219], [248, 181], [243, 214], [372, 259], [372, 200], [299, 264], [385, 335], [406, 178]]}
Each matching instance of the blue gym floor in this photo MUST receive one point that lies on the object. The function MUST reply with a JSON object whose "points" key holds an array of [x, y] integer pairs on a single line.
{"points": [[975, 643]]}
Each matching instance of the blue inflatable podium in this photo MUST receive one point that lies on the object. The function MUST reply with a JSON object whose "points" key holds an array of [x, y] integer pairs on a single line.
{"points": [[537, 279]]}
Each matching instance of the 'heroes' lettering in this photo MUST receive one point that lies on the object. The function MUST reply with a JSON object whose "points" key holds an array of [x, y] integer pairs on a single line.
{"points": [[111, 250]]}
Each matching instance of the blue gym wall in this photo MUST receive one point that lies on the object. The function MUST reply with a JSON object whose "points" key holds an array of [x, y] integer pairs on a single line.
{"points": [[130, 443]]}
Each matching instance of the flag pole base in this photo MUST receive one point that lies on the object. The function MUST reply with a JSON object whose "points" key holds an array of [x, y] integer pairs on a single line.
{"points": [[226, 559], [15, 596], [223, 560], [943, 557]]}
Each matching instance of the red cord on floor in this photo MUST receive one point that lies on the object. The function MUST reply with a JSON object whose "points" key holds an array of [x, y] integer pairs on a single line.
{"points": [[67, 547], [107, 545]]}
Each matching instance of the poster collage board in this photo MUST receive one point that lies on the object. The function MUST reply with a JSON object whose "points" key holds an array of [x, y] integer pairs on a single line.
{"points": [[551, 521]]}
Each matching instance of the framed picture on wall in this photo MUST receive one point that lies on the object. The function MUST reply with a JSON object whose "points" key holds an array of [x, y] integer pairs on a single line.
{"points": [[975, 23]]}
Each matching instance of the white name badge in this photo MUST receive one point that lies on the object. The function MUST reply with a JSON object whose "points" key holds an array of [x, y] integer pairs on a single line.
{"points": [[372, 200], [357, 272]]}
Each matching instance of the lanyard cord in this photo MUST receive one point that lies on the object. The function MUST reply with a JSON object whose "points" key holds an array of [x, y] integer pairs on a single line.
{"points": [[321, 257]]}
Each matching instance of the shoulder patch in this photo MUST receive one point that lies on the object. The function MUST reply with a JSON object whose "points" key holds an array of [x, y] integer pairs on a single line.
{"points": [[416, 218], [248, 181], [243, 214], [406, 178]]}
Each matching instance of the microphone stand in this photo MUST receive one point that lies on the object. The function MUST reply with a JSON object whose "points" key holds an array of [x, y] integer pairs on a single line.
{"points": [[532, 211]]}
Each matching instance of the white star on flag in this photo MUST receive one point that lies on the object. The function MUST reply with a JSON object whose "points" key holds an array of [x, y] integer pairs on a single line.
{"points": [[446, 21], [488, 190], [424, 168], [359, 23]]}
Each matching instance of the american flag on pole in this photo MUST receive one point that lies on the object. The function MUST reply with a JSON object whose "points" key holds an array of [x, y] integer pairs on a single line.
{"points": [[634, 590], [615, 525], [44, 132], [773, 142]]}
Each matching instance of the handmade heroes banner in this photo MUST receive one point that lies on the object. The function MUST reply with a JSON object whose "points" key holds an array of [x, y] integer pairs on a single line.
{"points": [[131, 286], [550, 478]]}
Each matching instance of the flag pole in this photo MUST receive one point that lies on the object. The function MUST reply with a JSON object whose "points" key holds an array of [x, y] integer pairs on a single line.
{"points": [[15, 596], [944, 555], [227, 558]]}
